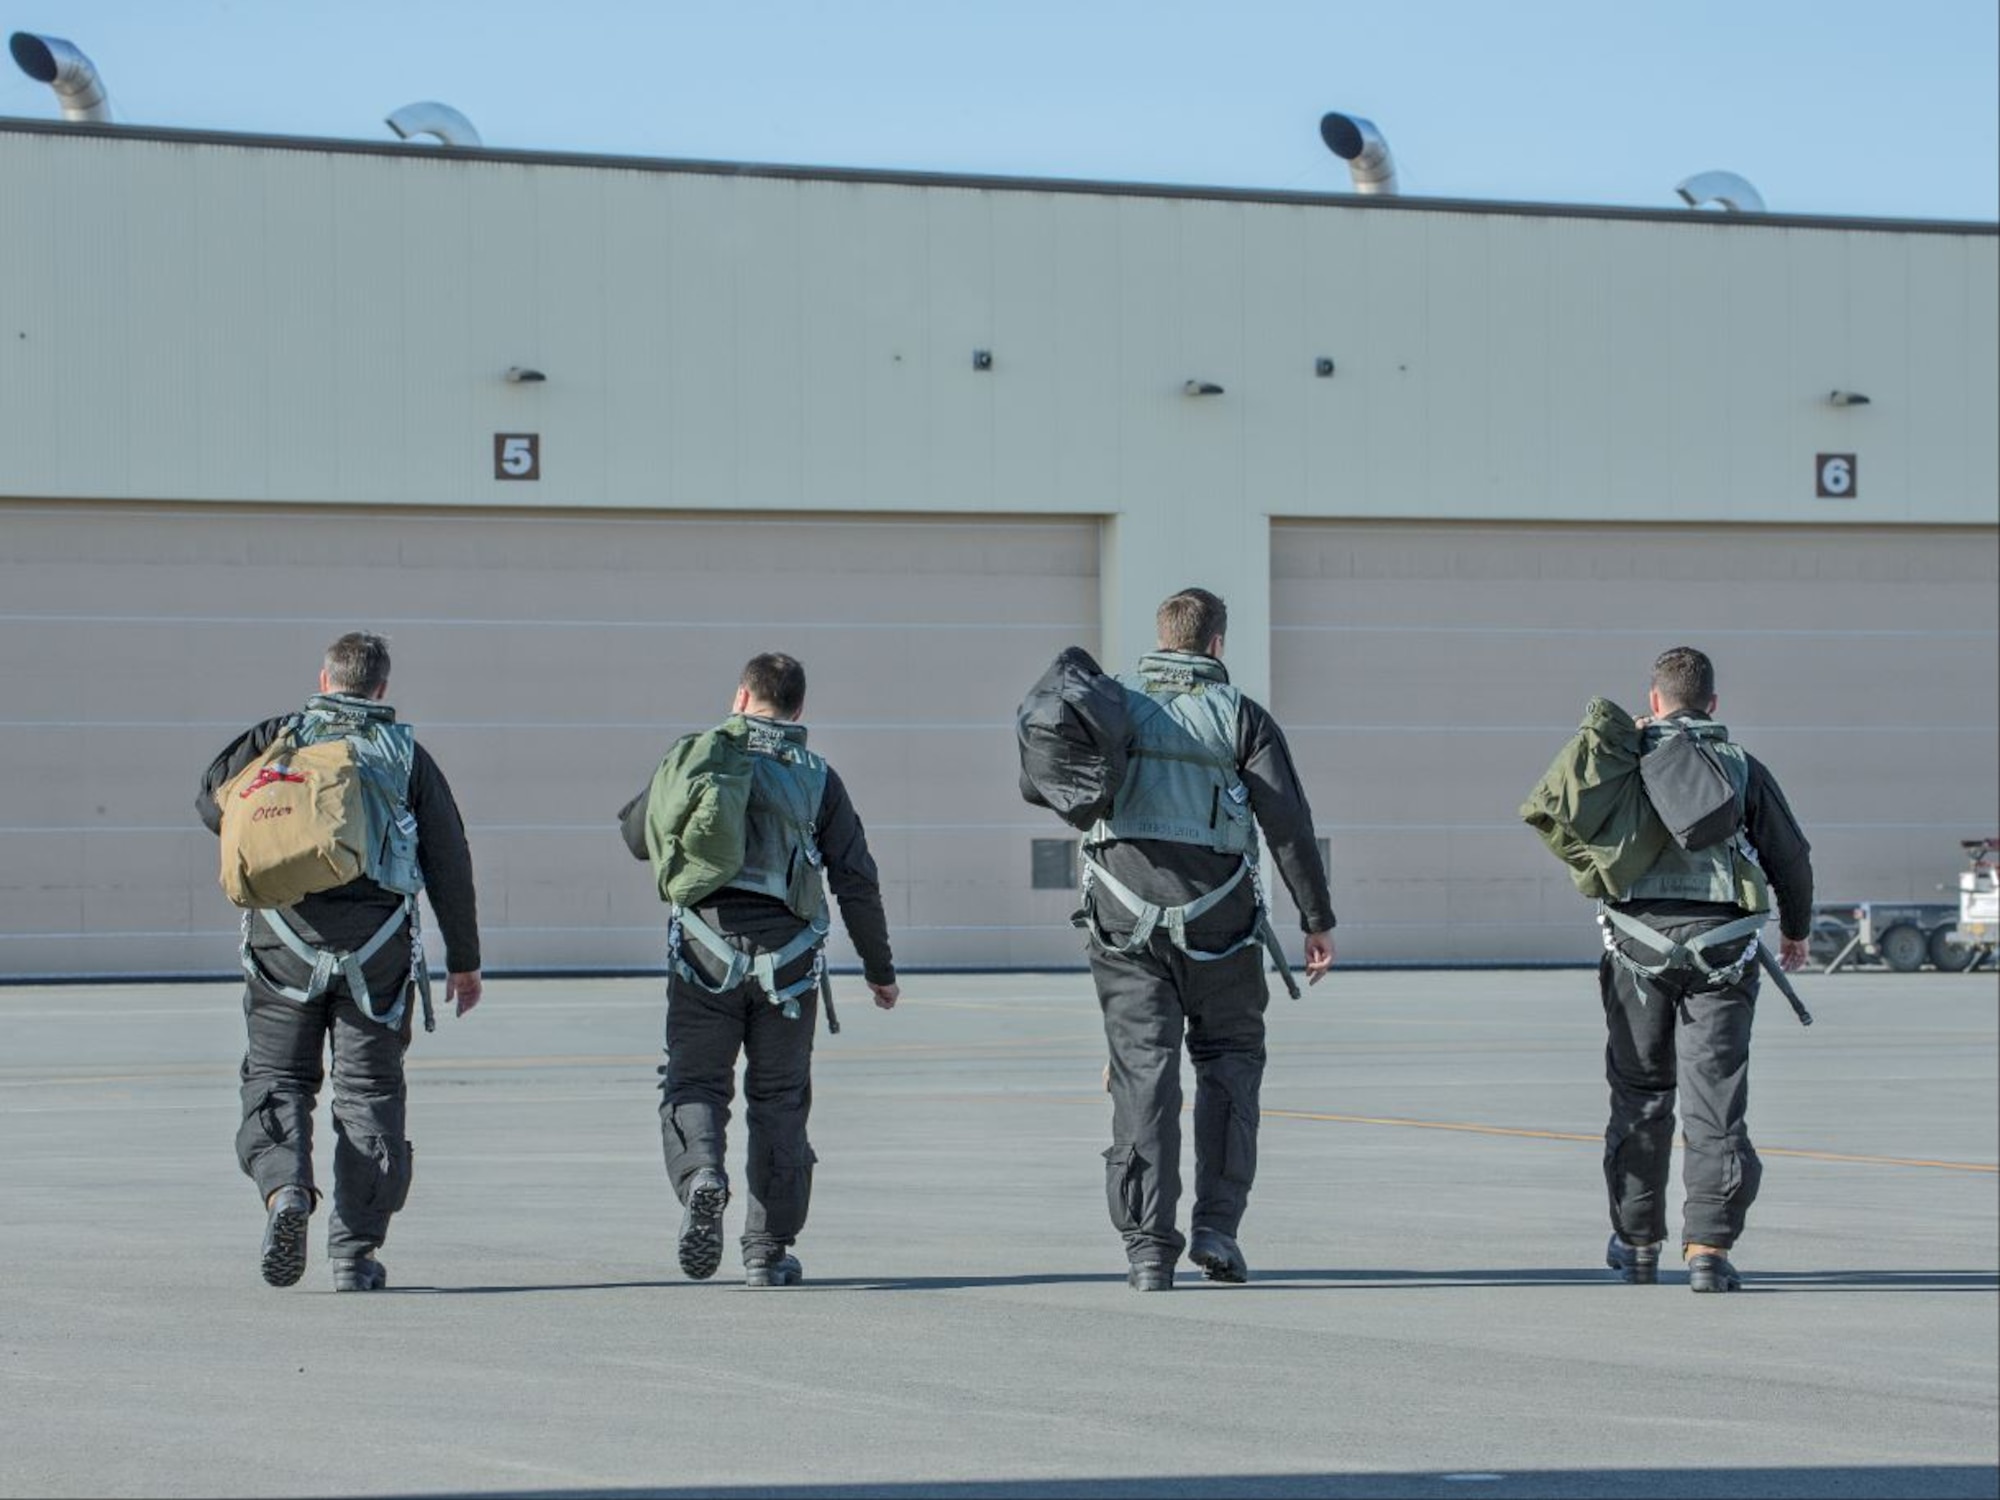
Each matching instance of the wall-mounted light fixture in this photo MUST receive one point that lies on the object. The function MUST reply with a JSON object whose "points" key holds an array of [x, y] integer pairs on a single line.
{"points": [[1846, 398], [522, 375], [1201, 388], [982, 359], [1323, 367]]}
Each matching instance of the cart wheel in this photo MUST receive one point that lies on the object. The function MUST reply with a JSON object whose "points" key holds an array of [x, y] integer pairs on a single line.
{"points": [[1948, 957], [1829, 937], [1904, 948]]}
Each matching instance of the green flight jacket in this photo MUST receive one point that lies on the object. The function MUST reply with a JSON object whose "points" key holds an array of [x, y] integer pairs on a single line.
{"points": [[1590, 806]]}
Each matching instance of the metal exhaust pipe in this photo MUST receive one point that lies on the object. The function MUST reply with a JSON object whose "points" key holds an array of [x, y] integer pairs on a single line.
{"points": [[64, 68], [1358, 143], [1735, 194], [431, 118]]}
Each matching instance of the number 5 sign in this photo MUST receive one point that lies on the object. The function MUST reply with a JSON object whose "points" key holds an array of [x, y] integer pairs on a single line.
{"points": [[1835, 476], [517, 455]]}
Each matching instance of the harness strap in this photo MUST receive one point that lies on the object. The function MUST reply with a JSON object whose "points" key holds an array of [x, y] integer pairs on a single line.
{"points": [[1682, 956], [1151, 917], [420, 967], [759, 968], [329, 963]]}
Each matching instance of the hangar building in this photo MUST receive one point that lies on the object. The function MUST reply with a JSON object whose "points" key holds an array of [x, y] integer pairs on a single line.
{"points": [[1469, 464]]}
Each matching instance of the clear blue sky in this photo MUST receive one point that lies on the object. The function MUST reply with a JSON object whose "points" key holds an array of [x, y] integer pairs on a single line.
{"points": [[1827, 106]]}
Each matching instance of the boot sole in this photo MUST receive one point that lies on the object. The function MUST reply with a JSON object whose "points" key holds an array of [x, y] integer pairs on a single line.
{"points": [[1221, 1268], [284, 1257], [765, 1278], [1634, 1275], [701, 1239]]}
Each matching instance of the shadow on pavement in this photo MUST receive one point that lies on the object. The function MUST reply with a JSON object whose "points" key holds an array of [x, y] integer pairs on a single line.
{"points": [[1350, 1279], [1363, 1280], [1918, 1482], [528, 1286]]}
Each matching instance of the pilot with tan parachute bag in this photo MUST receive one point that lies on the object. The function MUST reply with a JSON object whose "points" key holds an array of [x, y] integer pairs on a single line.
{"points": [[331, 821]]}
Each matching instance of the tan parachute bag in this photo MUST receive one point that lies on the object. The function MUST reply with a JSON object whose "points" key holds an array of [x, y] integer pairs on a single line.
{"points": [[294, 822]]}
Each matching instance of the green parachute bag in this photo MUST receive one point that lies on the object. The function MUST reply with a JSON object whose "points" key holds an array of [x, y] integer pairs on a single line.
{"points": [[696, 812]]}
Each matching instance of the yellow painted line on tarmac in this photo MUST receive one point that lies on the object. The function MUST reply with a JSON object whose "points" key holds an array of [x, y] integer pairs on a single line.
{"points": [[1540, 1135], [571, 1060], [1880, 1161], [1567, 1135]]}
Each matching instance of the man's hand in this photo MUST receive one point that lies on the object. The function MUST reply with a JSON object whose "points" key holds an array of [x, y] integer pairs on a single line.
{"points": [[1794, 954], [463, 991], [1319, 956], [886, 995]]}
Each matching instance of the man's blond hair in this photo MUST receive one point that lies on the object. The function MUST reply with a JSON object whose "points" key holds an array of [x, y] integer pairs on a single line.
{"points": [[1190, 620]]}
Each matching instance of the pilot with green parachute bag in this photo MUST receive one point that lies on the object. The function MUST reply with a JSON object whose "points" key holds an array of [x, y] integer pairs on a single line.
{"points": [[1684, 838], [744, 829]]}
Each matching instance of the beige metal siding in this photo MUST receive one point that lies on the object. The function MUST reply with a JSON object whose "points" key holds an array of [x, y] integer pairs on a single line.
{"points": [[244, 322], [1427, 675], [546, 661]]}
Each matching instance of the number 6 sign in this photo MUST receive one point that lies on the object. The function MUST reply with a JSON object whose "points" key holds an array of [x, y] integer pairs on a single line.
{"points": [[517, 455], [1836, 476]]}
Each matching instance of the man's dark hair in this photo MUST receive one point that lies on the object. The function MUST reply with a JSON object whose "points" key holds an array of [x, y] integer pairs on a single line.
{"points": [[358, 664], [1684, 678], [778, 680], [1191, 619]]}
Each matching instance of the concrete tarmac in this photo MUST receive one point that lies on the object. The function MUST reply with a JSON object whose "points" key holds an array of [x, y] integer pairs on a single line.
{"points": [[1429, 1315]]}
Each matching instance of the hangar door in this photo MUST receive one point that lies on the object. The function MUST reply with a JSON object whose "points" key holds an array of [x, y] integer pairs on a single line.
{"points": [[1427, 675], [547, 661]]}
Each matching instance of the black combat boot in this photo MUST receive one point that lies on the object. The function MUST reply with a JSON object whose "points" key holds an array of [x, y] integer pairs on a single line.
{"points": [[1709, 1270], [1637, 1264], [360, 1273], [1218, 1256], [283, 1255], [701, 1225], [779, 1268]]}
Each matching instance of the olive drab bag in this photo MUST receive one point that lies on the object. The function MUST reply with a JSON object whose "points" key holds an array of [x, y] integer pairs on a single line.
{"points": [[697, 812], [310, 814], [1590, 806]]}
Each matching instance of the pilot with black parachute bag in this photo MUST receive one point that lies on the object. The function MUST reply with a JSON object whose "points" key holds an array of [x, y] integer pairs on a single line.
{"points": [[1170, 775]]}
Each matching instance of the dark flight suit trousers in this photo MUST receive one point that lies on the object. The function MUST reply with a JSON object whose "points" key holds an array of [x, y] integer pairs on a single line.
{"points": [[705, 1035], [1663, 1043], [1151, 1002], [283, 1068]]}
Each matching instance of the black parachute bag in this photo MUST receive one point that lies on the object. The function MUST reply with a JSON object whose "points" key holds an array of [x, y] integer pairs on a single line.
{"points": [[1691, 792], [1075, 732]]}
